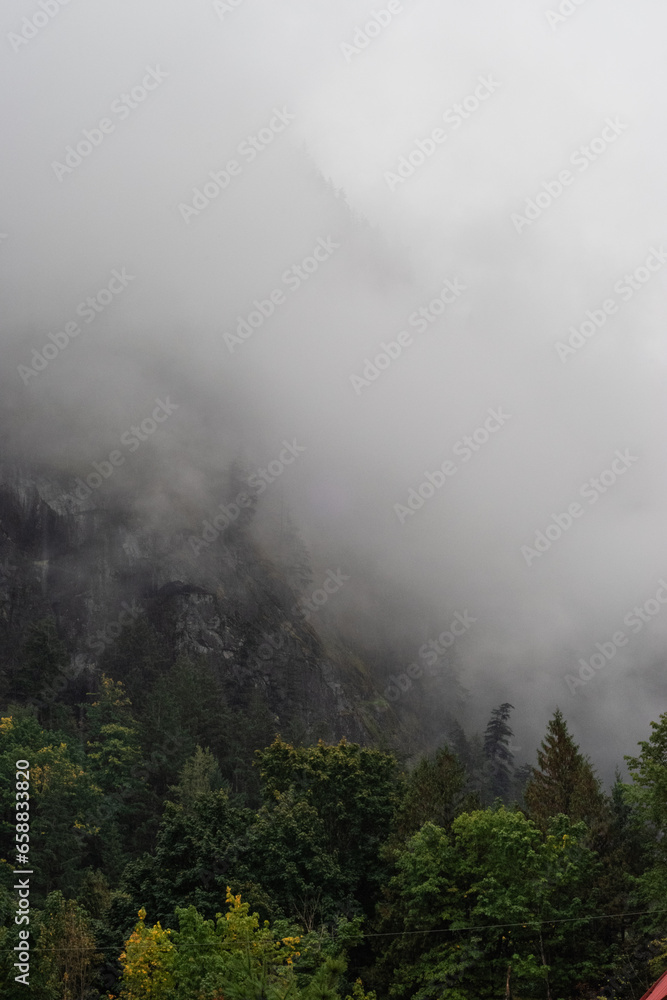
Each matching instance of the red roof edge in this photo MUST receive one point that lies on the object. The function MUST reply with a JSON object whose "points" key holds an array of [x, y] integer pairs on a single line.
{"points": [[659, 989]]}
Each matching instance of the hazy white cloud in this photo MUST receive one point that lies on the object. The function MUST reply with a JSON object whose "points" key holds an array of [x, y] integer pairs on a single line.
{"points": [[218, 76]]}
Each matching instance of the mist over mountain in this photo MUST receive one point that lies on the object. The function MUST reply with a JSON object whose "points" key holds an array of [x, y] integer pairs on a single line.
{"points": [[402, 287]]}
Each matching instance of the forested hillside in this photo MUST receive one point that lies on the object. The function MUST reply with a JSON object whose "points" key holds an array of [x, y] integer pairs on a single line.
{"points": [[333, 562], [170, 859], [205, 794]]}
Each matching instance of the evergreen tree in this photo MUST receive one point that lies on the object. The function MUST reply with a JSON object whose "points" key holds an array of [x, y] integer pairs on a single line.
{"points": [[522, 775], [200, 847], [458, 741], [624, 854], [564, 782], [649, 795], [435, 792], [110, 706], [479, 771], [113, 756], [649, 772], [60, 805], [200, 774], [43, 657], [499, 757]]}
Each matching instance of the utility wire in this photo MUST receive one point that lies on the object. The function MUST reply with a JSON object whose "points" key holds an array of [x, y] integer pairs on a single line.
{"points": [[528, 924]]}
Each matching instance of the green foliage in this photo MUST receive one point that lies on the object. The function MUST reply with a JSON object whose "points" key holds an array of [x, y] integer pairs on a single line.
{"points": [[134, 808], [114, 756], [194, 851], [66, 956], [323, 984], [565, 781], [499, 757], [199, 775], [648, 796], [348, 795], [232, 957], [62, 798], [147, 963], [110, 707], [471, 903], [140, 655], [649, 772], [488, 760], [288, 852], [189, 703], [44, 654], [435, 792], [358, 992]]}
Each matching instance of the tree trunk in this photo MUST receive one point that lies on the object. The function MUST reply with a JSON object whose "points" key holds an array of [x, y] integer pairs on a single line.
{"points": [[544, 963]]}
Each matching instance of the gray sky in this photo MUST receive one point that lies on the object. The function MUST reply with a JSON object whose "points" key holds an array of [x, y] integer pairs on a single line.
{"points": [[482, 107]]}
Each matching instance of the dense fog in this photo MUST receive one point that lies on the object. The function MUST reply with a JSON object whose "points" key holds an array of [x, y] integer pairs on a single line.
{"points": [[408, 258]]}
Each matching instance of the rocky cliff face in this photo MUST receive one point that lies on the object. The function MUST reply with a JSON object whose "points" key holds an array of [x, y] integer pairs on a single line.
{"points": [[96, 567]]}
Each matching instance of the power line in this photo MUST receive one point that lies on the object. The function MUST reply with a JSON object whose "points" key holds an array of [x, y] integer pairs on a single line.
{"points": [[528, 924], [522, 923]]}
